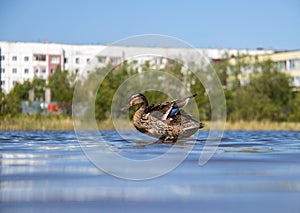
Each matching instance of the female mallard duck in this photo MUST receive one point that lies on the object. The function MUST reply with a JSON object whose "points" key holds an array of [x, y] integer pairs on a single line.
{"points": [[165, 121]]}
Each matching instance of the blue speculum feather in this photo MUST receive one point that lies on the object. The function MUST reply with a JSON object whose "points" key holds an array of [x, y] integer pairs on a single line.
{"points": [[173, 112]]}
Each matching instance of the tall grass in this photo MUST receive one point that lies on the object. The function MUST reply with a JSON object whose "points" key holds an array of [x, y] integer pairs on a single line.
{"points": [[262, 125], [38, 122]]}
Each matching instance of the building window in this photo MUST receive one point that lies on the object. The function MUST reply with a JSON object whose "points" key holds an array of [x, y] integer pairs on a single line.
{"points": [[2, 58], [115, 60], [26, 58], [26, 71], [77, 60], [294, 64], [247, 69], [39, 57], [14, 58], [297, 63], [87, 60], [14, 83], [3, 70], [52, 71], [14, 70], [3, 83], [65, 60], [77, 71], [101, 59], [39, 70], [54, 60], [158, 60], [281, 65], [296, 81]]}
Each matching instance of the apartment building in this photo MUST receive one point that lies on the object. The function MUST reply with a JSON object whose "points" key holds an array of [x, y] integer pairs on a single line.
{"points": [[287, 62], [20, 61]]}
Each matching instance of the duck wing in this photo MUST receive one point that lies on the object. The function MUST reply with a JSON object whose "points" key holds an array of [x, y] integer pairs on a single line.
{"points": [[177, 104], [169, 109], [188, 125], [183, 101], [159, 111]]}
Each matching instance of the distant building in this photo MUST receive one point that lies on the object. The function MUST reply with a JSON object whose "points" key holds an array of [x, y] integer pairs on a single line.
{"points": [[22, 61], [286, 61], [45, 108]]}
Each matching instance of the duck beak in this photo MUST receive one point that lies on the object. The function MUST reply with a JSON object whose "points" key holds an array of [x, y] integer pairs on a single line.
{"points": [[127, 106]]}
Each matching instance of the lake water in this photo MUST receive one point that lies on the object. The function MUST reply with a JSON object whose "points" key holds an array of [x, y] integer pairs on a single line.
{"points": [[251, 171]]}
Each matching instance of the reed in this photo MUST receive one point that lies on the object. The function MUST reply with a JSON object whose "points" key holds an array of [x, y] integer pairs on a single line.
{"points": [[36, 122], [262, 125]]}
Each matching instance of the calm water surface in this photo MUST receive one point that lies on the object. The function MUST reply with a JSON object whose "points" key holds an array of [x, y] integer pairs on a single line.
{"points": [[252, 171]]}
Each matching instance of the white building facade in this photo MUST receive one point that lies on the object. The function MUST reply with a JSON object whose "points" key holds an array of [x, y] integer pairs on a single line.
{"points": [[21, 61]]}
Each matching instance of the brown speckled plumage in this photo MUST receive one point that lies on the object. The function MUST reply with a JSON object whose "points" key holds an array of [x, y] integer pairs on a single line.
{"points": [[157, 120]]}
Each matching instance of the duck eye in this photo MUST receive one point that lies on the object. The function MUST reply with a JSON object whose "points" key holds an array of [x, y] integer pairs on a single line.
{"points": [[133, 97], [136, 96]]}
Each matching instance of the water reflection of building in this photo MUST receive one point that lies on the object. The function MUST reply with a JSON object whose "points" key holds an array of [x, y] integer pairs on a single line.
{"points": [[21, 61]]}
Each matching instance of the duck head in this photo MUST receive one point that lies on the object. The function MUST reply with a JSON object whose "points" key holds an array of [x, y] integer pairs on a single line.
{"points": [[136, 100]]}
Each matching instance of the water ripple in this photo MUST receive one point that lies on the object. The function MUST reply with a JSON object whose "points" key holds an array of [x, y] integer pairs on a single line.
{"points": [[50, 166]]}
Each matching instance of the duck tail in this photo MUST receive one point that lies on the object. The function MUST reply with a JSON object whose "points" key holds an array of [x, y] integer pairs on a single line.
{"points": [[192, 96], [184, 101]]}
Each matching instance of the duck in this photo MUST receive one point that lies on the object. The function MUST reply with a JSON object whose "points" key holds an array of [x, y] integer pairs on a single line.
{"points": [[165, 121]]}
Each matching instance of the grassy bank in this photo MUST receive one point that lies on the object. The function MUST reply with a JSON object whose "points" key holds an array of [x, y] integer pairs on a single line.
{"points": [[262, 125], [25, 122]]}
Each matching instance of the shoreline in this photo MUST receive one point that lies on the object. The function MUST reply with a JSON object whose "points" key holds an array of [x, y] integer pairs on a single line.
{"points": [[38, 122]]}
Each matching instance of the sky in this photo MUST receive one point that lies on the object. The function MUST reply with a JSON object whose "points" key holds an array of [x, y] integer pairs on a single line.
{"points": [[237, 24]]}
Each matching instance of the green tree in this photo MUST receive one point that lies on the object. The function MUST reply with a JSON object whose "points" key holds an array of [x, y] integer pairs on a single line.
{"points": [[201, 99], [221, 67], [267, 96], [295, 107], [110, 83], [38, 85], [248, 104], [2, 102], [61, 86], [16, 96]]}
